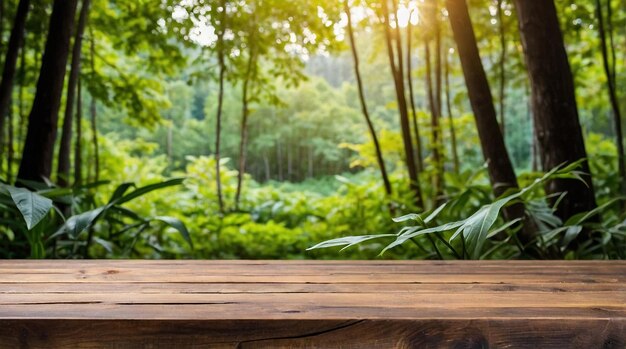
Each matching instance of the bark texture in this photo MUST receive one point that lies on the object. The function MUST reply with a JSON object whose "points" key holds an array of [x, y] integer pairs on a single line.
{"points": [[555, 115], [63, 164], [16, 41], [43, 118]]}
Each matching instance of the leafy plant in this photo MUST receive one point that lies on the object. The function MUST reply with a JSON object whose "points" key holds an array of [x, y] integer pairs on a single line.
{"points": [[37, 215], [475, 231]]}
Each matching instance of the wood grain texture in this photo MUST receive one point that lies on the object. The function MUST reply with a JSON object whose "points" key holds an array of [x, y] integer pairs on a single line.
{"points": [[312, 304]]}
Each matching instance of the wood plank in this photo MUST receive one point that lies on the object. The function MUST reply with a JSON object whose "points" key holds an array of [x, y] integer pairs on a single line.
{"points": [[302, 304], [313, 333], [253, 288]]}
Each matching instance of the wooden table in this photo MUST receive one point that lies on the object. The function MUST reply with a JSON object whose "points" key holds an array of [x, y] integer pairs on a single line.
{"points": [[298, 304]]}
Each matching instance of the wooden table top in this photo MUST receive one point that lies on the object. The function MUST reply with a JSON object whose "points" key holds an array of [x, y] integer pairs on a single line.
{"points": [[311, 290]]}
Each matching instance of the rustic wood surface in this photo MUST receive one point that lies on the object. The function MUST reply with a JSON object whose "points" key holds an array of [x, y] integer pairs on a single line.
{"points": [[312, 304]]}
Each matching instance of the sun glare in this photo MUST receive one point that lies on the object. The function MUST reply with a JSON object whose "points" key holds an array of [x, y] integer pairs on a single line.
{"points": [[408, 14]]}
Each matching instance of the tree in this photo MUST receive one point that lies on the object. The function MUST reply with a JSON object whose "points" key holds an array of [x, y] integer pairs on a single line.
{"points": [[398, 78], [42, 121], [78, 143], [220, 100], [500, 168], [93, 119], [454, 151], [609, 70], [434, 91], [10, 62], [245, 111], [370, 125], [409, 79], [555, 114], [63, 164], [501, 65]]}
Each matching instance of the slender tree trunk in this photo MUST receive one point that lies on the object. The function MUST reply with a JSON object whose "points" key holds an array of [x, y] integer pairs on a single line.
{"points": [[290, 176], [437, 135], [555, 114], [310, 156], [454, 151], [63, 164], [10, 62], [1, 24], [502, 67], [93, 111], [438, 84], [168, 145], [266, 163], [279, 160], [418, 140], [366, 115], [220, 101], [243, 139], [22, 120], [78, 148], [10, 149], [499, 165], [434, 118], [398, 78], [42, 122], [611, 89]]}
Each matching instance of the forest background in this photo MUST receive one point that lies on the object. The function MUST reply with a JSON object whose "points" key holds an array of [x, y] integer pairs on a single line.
{"points": [[241, 129]]}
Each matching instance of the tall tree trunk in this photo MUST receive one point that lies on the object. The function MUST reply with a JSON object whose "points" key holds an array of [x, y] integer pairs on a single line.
{"points": [[92, 111], [438, 84], [501, 173], [366, 115], [279, 161], [434, 118], [266, 163], [454, 151], [502, 67], [310, 165], [22, 119], [434, 92], [63, 163], [168, 145], [555, 114], [398, 78], [42, 121], [10, 62], [611, 89], [220, 100], [416, 131], [10, 149], [1, 24], [243, 139], [78, 148]]}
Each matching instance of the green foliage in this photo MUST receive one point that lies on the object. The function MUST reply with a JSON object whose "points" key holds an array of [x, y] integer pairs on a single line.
{"points": [[476, 231], [311, 170], [37, 216]]}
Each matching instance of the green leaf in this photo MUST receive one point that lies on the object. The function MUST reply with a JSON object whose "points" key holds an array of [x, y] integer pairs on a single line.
{"points": [[406, 217], [148, 188], [435, 212], [348, 241], [570, 234], [476, 228], [32, 206], [178, 225], [75, 225], [120, 190], [583, 216], [411, 233], [104, 243], [503, 227]]}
